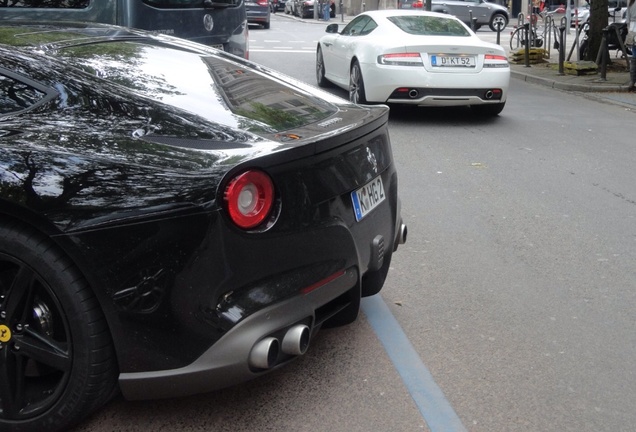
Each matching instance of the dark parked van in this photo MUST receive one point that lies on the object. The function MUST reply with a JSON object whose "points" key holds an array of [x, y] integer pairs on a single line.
{"points": [[218, 23]]}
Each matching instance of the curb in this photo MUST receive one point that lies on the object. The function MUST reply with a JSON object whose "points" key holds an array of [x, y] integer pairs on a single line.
{"points": [[590, 87]]}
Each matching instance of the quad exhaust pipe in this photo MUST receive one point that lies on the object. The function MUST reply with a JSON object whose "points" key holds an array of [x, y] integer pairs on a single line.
{"points": [[400, 236], [296, 340], [264, 355], [402, 232]]}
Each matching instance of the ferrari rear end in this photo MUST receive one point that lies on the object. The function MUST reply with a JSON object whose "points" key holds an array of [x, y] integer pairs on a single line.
{"points": [[328, 238], [213, 213]]}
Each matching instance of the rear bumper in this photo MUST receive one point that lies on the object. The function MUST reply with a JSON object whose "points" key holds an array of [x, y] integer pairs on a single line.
{"points": [[454, 88], [228, 362]]}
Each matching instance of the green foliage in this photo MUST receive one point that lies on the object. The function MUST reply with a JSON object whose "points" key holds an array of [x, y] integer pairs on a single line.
{"points": [[21, 36], [276, 118]]}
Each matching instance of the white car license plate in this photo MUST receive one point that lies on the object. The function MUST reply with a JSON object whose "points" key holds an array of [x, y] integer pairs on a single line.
{"points": [[367, 197], [452, 61]]}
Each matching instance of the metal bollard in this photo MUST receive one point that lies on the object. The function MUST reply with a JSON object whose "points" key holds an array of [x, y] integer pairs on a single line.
{"points": [[499, 30], [561, 49], [604, 54], [473, 21], [526, 26]]}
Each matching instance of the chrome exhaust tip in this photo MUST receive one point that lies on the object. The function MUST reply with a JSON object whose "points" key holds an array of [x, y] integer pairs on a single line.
{"points": [[489, 94], [403, 231], [264, 353], [296, 340], [413, 93]]}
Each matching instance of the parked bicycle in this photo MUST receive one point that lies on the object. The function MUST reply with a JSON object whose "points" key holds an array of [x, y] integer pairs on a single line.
{"points": [[541, 29], [616, 36]]}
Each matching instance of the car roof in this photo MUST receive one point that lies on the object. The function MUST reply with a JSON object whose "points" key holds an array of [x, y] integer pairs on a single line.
{"points": [[385, 13]]}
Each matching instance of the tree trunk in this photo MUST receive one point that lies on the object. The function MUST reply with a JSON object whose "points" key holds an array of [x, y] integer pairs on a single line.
{"points": [[598, 21]]}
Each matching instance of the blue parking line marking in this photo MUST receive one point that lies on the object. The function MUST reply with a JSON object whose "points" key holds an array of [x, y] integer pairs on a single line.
{"points": [[436, 410]]}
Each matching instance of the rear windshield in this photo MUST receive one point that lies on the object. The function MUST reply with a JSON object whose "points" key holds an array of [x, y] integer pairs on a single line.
{"points": [[429, 25]]}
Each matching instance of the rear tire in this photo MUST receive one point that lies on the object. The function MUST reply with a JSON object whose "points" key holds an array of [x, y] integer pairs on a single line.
{"points": [[349, 314], [356, 85], [372, 282], [57, 363], [320, 70]]}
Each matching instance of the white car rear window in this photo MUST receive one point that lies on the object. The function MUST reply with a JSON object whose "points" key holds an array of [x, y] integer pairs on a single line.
{"points": [[429, 25]]}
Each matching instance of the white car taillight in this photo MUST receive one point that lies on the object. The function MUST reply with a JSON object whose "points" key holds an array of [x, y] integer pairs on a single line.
{"points": [[495, 61], [401, 59], [249, 198]]}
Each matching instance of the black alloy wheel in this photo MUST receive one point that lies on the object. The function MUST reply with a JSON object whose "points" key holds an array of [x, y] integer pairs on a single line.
{"points": [[57, 363]]}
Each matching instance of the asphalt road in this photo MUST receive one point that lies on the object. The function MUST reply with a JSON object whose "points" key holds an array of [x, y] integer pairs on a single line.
{"points": [[515, 290]]}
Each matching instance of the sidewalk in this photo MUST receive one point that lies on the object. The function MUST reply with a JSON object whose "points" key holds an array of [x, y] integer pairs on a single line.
{"points": [[613, 88]]}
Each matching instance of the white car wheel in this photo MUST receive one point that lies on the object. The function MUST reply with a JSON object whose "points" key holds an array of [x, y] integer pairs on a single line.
{"points": [[320, 70], [356, 85]]}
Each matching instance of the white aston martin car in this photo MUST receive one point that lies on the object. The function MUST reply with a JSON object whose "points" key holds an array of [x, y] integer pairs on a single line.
{"points": [[414, 57]]}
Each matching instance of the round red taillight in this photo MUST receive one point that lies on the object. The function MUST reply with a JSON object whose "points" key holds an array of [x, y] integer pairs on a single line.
{"points": [[250, 198]]}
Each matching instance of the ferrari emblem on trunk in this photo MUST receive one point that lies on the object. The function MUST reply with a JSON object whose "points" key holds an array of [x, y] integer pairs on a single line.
{"points": [[372, 160]]}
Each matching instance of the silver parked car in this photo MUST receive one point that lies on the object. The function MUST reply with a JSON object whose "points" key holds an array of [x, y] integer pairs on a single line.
{"points": [[258, 12], [491, 14]]}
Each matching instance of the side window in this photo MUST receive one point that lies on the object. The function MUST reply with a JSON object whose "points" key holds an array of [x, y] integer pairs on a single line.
{"points": [[56, 4], [355, 27], [17, 96], [371, 25]]}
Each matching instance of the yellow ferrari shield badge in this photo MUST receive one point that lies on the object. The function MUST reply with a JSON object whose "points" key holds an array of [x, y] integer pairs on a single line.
{"points": [[5, 333]]}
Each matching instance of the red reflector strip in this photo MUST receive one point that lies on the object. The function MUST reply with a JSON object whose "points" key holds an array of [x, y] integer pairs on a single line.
{"points": [[401, 59], [322, 282], [401, 55]]}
